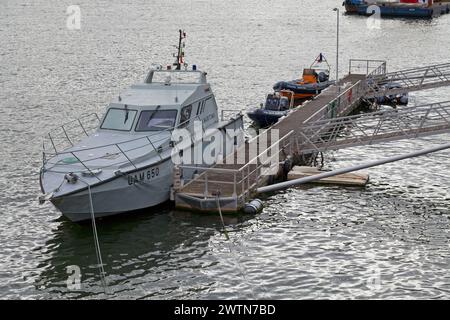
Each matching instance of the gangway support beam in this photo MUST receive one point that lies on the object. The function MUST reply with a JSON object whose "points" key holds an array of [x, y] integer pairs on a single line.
{"points": [[404, 81], [296, 182]]}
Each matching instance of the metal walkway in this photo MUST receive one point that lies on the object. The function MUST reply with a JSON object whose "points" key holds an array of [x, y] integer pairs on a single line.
{"points": [[375, 127], [409, 80], [234, 182], [319, 125]]}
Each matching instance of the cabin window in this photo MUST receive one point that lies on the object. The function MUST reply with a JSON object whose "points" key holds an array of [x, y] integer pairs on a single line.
{"points": [[272, 103], [185, 115], [156, 120], [119, 119], [199, 106], [284, 104], [207, 103]]}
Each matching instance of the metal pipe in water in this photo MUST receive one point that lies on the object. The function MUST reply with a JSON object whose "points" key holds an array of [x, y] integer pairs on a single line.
{"points": [[375, 163]]}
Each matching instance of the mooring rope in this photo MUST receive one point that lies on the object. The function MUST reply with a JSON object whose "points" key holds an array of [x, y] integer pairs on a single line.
{"points": [[241, 269], [94, 230], [96, 242], [221, 216]]}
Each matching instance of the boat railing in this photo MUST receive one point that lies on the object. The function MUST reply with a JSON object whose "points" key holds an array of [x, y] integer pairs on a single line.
{"points": [[367, 67], [240, 182], [71, 132], [127, 153], [176, 76]]}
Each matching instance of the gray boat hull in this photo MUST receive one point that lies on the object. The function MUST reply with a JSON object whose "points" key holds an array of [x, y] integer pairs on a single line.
{"points": [[131, 192]]}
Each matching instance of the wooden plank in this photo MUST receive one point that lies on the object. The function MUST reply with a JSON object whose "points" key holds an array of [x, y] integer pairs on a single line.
{"points": [[348, 179]]}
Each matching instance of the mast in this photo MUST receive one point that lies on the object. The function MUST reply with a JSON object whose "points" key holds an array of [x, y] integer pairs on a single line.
{"points": [[180, 50]]}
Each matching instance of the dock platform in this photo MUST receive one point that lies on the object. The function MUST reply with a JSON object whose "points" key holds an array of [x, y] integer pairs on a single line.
{"points": [[311, 128]]}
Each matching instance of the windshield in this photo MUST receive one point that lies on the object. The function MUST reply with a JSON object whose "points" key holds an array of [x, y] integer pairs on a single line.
{"points": [[119, 119], [272, 103], [155, 120], [284, 103]]}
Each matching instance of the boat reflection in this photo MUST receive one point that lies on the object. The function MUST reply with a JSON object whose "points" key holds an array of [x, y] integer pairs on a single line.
{"points": [[135, 248]]}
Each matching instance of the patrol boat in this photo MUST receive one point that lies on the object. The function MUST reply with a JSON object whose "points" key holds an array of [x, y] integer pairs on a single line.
{"points": [[125, 160]]}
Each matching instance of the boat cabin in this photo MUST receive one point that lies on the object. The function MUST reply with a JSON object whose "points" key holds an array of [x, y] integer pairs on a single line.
{"points": [[315, 75], [309, 76], [165, 100], [275, 102]]}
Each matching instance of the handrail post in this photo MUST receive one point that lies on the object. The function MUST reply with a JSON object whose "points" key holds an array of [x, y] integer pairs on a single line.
{"points": [[160, 157], [291, 138], [242, 182], [82, 163], [248, 178], [81, 125], [234, 184], [68, 139], [424, 118], [129, 160], [43, 154], [51, 140], [206, 184]]}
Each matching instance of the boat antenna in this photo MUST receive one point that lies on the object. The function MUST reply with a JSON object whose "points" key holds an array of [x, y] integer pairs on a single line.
{"points": [[320, 59], [316, 65], [180, 50]]}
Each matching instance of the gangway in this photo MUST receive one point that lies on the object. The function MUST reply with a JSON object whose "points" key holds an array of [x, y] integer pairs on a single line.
{"points": [[321, 124], [375, 127], [404, 81]]}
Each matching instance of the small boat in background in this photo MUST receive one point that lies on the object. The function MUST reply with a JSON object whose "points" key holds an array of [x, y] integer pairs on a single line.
{"points": [[351, 6], [314, 80], [290, 94], [275, 107], [393, 99], [398, 8]]}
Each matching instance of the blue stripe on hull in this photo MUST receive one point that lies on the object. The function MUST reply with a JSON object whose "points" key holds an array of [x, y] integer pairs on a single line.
{"points": [[399, 12]]}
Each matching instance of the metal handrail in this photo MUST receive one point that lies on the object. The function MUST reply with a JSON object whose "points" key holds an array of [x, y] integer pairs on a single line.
{"points": [[134, 139], [356, 95], [380, 68], [197, 117], [245, 177], [412, 70], [247, 164], [380, 126], [76, 120], [121, 151], [104, 146], [265, 151], [223, 170], [422, 78]]}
